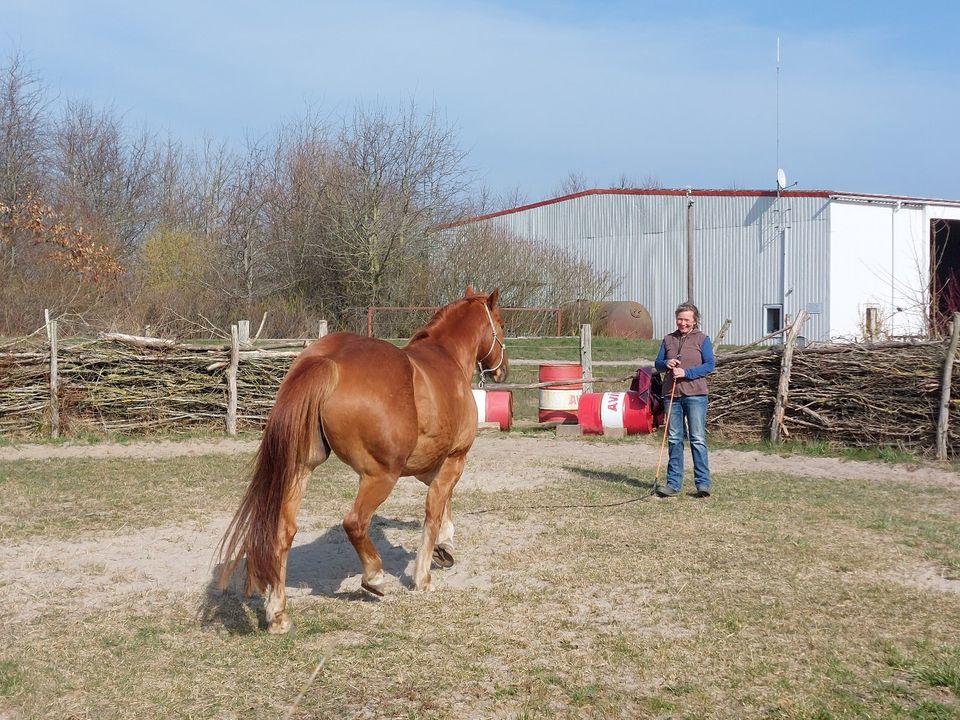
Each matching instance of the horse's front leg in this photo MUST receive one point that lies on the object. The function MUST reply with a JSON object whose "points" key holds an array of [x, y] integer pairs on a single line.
{"points": [[437, 510], [374, 489], [443, 550]]}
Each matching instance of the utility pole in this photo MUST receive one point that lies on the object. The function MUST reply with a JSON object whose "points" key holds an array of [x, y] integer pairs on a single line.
{"points": [[689, 247]]}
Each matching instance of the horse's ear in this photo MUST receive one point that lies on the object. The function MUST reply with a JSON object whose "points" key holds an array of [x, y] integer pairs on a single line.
{"points": [[469, 291], [492, 298]]}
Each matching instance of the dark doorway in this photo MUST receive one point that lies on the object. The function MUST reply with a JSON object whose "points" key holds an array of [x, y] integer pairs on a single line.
{"points": [[944, 274]]}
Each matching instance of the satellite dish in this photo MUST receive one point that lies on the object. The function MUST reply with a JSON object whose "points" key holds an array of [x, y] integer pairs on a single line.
{"points": [[781, 179]]}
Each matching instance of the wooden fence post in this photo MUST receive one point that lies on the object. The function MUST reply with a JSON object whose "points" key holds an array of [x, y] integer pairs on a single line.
{"points": [[243, 332], [783, 387], [263, 322], [232, 380], [586, 355], [54, 381], [723, 331], [943, 422], [322, 330]]}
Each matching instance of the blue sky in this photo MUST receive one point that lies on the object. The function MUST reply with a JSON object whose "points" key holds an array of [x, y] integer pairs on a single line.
{"points": [[683, 93]]}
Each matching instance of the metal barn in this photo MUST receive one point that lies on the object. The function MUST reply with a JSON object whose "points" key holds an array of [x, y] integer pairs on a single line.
{"points": [[863, 266]]}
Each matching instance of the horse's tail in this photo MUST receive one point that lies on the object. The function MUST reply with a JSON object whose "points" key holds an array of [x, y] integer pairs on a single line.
{"points": [[292, 444]]}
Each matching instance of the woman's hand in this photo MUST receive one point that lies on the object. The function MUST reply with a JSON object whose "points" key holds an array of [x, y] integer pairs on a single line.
{"points": [[678, 372]]}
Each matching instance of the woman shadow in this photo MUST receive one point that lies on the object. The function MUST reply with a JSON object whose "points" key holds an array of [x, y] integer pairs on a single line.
{"points": [[319, 566], [614, 478]]}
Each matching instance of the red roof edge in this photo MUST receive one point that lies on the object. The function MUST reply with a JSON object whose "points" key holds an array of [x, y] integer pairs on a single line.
{"points": [[705, 193], [616, 191]]}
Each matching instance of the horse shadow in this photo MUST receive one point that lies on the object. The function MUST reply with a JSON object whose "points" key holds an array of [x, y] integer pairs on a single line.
{"points": [[614, 478], [319, 566]]}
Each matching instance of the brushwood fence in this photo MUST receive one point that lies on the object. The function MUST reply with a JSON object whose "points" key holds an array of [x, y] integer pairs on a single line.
{"points": [[886, 394]]}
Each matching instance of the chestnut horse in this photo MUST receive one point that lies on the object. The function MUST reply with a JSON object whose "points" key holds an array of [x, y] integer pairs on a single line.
{"points": [[386, 412]]}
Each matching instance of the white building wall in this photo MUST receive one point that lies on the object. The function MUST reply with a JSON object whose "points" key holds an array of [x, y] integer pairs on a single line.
{"points": [[880, 256]]}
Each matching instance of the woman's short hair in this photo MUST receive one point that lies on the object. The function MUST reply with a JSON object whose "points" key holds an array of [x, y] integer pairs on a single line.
{"points": [[688, 307]]}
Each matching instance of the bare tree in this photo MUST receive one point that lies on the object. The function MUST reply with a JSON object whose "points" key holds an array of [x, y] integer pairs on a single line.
{"points": [[103, 179], [171, 186], [301, 168], [574, 182], [528, 273], [22, 145], [244, 236], [629, 182], [651, 182], [397, 177], [486, 201], [229, 200], [23, 131]]}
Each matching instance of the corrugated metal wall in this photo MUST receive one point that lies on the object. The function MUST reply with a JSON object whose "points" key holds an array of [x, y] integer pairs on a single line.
{"points": [[739, 260]]}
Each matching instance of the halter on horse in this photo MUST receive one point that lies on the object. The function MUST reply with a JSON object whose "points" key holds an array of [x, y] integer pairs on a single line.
{"points": [[386, 412]]}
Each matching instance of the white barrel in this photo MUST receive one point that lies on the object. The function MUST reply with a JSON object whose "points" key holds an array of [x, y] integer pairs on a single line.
{"points": [[494, 406], [480, 396], [559, 403]]}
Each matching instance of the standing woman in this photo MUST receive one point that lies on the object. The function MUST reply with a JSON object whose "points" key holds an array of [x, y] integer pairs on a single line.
{"points": [[686, 357]]}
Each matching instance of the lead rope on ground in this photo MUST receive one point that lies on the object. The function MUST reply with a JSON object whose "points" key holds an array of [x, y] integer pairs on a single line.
{"points": [[653, 490], [641, 498]]}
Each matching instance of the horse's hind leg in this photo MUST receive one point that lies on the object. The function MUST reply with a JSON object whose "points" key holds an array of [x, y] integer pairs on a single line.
{"points": [[275, 598], [374, 489], [437, 510]]}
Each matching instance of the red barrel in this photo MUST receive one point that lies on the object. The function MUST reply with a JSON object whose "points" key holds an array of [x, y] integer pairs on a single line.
{"points": [[627, 410], [558, 403], [494, 406]]}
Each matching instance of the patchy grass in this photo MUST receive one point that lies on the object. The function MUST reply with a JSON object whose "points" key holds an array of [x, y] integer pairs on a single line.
{"points": [[821, 448], [105, 438], [568, 348], [63, 498], [780, 597]]}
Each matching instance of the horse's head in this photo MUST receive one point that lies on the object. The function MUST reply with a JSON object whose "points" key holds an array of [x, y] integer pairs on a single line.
{"points": [[491, 351]]}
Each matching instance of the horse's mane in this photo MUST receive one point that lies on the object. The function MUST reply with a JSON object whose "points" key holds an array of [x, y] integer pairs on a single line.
{"points": [[440, 316]]}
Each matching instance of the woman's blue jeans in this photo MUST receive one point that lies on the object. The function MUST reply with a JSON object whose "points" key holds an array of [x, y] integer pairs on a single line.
{"points": [[689, 411]]}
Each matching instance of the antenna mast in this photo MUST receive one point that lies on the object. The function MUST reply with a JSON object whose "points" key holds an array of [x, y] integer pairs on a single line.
{"points": [[778, 101]]}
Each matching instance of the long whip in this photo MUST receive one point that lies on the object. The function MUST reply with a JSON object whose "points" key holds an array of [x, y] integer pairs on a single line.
{"points": [[663, 442]]}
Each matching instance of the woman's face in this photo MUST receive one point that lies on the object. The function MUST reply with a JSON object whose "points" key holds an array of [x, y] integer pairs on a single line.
{"points": [[685, 321]]}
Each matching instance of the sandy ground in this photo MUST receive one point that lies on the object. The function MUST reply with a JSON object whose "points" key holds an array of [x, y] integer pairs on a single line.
{"points": [[531, 452], [179, 558]]}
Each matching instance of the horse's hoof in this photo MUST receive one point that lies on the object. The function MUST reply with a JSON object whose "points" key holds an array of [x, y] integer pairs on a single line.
{"points": [[442, 557], [372, 589], [280, 626], [425, 585]]}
